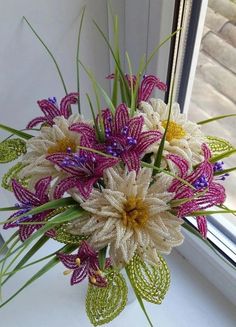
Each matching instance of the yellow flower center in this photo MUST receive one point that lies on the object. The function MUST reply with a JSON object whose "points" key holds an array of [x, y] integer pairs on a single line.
{"points": [[62, 146], [174, 130], [135, 212]]}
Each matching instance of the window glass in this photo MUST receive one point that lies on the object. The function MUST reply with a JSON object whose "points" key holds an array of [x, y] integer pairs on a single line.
{"points": [[214, 88]]}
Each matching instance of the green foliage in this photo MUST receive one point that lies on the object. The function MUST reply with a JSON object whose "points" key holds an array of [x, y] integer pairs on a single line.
{"points": [[13, 173], [150, 282], [11, 149], [218, 145], [63, 236], [103, 304]]}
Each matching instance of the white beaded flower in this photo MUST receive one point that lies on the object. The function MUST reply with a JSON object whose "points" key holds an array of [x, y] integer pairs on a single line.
{"points": [[183, 137], [51, 139], [131, 216]]}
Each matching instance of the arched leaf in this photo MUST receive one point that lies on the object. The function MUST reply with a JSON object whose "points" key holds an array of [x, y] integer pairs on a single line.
{"points": [[150, 282], [103, 304], [11, 149], [218, 145], [13, 173]]}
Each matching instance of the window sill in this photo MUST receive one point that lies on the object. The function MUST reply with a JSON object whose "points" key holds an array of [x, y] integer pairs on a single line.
{"points": [[210, 265]]}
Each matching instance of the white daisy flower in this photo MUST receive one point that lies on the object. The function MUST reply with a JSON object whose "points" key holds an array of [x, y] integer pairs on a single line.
{"points": [[131, 216], [183, 137], [51, 139]]}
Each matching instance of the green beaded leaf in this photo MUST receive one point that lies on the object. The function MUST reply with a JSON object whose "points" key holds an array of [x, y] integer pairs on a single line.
{"points": [[63, 236], [11, 150], [150, 282], [13, 173], [218, 145], [103, 304]]}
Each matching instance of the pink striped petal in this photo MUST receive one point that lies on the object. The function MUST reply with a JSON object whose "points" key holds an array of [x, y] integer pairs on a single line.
{"points": [[49, 109], [202, 225], [132, 160], [135, 127], [146, 139], [147, 86], [34, 122], [41, 188], [65, 185], [181, 163], [85, 186], [121, 118], [23, 195], [66, 102]]}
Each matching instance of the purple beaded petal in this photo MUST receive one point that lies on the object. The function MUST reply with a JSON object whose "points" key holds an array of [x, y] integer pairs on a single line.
{"points": [[68, 260], [80, 273], [86, 250], [25, 231]]}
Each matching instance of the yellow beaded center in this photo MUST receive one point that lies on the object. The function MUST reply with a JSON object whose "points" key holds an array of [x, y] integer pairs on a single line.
{"points": [[62, 146], [135, 213], [174, 131]]}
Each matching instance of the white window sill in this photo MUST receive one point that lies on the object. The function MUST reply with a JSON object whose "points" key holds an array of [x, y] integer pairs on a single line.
{"points": [[51, 301]]}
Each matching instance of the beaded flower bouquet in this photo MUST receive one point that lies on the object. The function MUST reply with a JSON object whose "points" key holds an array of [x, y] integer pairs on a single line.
{"points": [[115, 191]]}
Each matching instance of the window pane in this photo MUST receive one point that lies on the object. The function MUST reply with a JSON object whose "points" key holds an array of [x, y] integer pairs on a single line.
{"points": [[214, 89]]}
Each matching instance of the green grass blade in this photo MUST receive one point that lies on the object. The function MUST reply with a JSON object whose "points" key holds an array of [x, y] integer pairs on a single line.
{"points": [[6, 243], [122, 75], [202, 122], [68, 215], [102, 258], [47, 206], [4, 262], [26, 257], [223, 155], [77, 55], [209, 212], [49, 52], [132, 102], [224, 171], [8, 209], [155, 50], [14, 131], [93, 114], [139, 300], [41, 272], [158, 169]]}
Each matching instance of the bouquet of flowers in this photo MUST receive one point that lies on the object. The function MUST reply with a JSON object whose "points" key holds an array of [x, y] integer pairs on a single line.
{"points": [[115, 191]]}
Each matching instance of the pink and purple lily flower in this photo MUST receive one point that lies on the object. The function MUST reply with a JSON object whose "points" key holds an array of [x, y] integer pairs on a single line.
{"points": [[124, 138], [148, 84], [206, 193], [84, 169], [83, 264], [27, 201], [50, 109]]}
